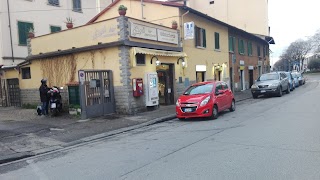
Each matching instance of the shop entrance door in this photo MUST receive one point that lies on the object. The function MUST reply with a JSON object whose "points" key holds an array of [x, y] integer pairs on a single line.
{"points": [[165, 85], [250, 78]]}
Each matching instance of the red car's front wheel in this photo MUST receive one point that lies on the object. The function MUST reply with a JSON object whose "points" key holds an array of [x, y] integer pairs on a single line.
{"points": [[215, 112]]}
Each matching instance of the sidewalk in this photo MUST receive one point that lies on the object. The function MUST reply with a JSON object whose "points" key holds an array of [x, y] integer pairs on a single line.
{"points": [[24, 134]]}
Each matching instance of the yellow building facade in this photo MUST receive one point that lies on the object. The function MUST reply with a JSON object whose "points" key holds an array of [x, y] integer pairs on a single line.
{"points": [[130, 46], [248, 15]]}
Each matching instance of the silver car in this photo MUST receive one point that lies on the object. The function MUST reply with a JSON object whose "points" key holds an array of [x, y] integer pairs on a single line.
{"points": [[271, 84]]}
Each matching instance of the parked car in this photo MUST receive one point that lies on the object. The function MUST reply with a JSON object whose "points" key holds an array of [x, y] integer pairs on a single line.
{"points": [[291, 80], [205, 99], [271, 84], [295, 79], [301, 79]]}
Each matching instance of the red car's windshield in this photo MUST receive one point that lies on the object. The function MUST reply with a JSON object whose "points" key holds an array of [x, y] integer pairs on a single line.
{"points": [[199, 89]]}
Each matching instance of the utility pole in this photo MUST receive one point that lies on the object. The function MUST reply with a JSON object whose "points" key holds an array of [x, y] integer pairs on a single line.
{"points": [[12, 54]]}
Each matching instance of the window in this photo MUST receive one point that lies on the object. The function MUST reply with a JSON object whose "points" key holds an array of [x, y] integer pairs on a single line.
{"points": [[231, 43], [54, 29], [26, 74], [141, 59], [77, 5], [218, 87], [241, 46], [225, 86], [199, 89], [249, 48], [258, 51], [216, 40], [23, 29], [53, 2], [200, 37], [264, 51]]}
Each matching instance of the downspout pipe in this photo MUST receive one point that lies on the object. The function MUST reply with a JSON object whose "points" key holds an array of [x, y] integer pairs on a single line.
{"points": [[10, 30]]}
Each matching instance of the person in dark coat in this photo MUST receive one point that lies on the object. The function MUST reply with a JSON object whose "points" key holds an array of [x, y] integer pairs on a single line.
{"points": [[44, 96]]}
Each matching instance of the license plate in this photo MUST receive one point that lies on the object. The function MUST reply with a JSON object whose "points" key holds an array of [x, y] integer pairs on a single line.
{"points": [[53, 105], [263, 91], [188, 110]]}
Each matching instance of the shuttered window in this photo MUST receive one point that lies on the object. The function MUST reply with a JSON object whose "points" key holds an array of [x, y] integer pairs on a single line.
{"points": [[54, 29], [54, 2], [241, 46], [249, 48], [77, 5], [231, 43], [216, 40], [200, 37], [23, 29]]}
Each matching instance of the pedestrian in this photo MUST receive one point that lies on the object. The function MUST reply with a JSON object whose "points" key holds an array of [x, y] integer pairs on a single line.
{"points": [[44, 96]]}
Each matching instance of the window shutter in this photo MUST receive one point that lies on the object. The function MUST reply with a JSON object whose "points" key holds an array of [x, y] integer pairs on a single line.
{"points": [[196, 36], [216, 40], [233, 43], [230, 43], [239, 46], [204, 38], [22, 34], [55, 29], [23, 29]]}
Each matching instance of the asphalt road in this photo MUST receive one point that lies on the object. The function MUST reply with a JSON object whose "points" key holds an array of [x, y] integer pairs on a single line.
{"points": [[267, 138]]}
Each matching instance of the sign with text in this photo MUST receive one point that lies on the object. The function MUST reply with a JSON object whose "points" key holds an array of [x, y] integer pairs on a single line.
{"points": [[167, 36], [143, 32], [188, 30]]}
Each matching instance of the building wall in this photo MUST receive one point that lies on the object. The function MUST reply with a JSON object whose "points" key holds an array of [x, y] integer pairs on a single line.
{"points": [[164, 14], [206, 56], [249, 15], [102, 32], [42, 16], [251, 60]]}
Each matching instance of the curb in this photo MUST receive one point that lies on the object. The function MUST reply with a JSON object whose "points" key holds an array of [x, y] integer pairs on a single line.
{"points": [[15, 157], [83, 141]]}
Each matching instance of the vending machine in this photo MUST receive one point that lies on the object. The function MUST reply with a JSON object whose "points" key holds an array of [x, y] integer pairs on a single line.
{"points": [[151, 89]]}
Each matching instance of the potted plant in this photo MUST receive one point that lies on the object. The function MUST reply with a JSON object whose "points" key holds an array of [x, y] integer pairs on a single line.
{"points": [[174, 24], [31, 33], [69, 22], [122, 10]]}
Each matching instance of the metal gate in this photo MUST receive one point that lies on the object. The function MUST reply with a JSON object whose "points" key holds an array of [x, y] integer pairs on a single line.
{"points": [[96, 93], [14, 92]]}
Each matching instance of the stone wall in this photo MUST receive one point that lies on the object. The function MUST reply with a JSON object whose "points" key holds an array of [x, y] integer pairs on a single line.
{"points": [[32, 96]]}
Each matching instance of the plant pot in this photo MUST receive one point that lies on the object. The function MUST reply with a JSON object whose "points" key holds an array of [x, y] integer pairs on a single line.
{"points": [[174, 26], [72, 111], [122, 12], [30, 35], [69, 25]]}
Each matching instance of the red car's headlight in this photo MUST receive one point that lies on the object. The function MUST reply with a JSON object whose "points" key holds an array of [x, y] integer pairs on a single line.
{"points": [[205, 101], [178, 103]]}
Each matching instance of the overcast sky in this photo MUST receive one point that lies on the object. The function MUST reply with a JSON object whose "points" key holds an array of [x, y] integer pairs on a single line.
{"points": [[290, 20]]}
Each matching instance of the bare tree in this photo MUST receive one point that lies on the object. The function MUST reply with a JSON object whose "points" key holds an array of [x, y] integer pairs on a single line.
{"points": [[298, 50], [315, 40]]}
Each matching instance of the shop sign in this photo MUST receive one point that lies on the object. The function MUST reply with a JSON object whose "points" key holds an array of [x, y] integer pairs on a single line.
{"points": [[143, 32], [167, 36], [188, 30]]}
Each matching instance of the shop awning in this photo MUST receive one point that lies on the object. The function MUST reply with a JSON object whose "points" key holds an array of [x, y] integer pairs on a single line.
{"points": [[154, 52]]}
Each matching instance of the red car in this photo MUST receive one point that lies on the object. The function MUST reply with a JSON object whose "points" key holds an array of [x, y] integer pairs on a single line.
{"points": [[205, 99]]}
